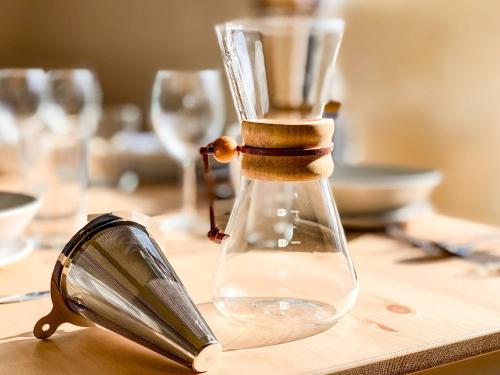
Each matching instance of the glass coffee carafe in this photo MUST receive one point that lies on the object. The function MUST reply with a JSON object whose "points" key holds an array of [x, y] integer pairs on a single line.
{"points": [[284, 259]]}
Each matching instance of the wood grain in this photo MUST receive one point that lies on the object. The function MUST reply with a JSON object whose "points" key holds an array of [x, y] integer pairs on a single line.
{"points": [[413, 313], [270, 133]]}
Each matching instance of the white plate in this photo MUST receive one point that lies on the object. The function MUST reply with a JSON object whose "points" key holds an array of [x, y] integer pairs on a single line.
{"points": [[14, 250], [382, 219]]}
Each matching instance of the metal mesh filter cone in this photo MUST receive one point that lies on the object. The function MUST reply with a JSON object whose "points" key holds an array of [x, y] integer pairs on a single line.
{"points": [[115, 275]]}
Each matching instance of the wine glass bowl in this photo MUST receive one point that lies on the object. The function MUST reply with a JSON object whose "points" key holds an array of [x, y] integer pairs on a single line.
{"points": [[187, 112], [72, 101], [21, 90]]}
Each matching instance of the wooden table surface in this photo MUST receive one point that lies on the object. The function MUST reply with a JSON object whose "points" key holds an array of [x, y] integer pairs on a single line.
{"points": [[413, 312]]}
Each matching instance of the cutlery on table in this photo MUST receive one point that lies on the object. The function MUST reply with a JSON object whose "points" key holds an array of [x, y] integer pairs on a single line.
{"points": [[397, 231], [14, 298]]}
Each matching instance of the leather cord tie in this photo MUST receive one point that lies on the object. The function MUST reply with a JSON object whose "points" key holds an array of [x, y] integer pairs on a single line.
{"points": [[224, 150], [316, 151], [214, 234]]}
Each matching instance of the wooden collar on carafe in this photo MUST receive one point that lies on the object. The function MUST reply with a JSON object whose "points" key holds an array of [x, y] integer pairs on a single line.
{"points": [[284, 150], [294, 150]]}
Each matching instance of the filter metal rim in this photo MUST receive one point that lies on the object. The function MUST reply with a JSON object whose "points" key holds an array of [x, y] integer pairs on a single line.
{"points": [[95, 226], [207, 357]]}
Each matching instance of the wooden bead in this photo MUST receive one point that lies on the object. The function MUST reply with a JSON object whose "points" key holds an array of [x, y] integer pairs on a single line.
{"points": [[225, 149]]}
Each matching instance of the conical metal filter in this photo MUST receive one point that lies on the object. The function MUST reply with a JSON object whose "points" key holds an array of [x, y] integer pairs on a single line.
{"points": [[112, 273]]}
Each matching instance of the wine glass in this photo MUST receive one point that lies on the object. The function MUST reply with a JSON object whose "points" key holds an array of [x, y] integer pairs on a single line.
{"points": [[71, 110], [73, 101], [21, 92], [21, 97], [187, 112]]}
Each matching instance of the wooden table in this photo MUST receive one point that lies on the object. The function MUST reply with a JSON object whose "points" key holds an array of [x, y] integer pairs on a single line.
{"points": [[413, 312]]}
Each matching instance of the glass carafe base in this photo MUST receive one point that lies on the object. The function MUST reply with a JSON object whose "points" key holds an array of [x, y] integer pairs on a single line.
{"points": [[270, 310]]}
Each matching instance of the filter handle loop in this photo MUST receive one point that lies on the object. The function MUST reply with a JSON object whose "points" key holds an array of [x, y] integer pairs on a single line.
{"points": [[60, 313], [50, 321]]}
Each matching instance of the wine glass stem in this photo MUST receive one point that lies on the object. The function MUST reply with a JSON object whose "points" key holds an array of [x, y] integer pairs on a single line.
{"points": [[189, 187]]}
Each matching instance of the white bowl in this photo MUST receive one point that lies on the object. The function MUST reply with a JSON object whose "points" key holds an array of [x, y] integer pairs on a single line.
{"points": [[370, 189], [16, 211]]}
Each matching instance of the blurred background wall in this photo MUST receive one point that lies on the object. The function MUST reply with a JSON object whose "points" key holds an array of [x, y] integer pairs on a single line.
{"points": [[124, 41], [421, 79], [423, 89]]}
